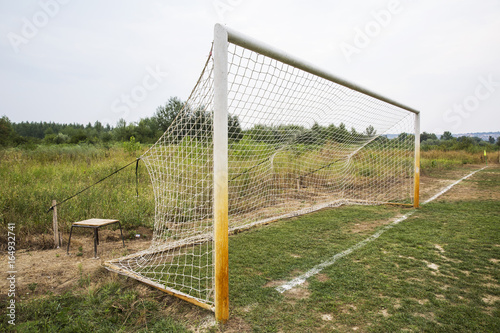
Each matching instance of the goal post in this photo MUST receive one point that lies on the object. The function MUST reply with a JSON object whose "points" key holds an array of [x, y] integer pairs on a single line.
{"points": [[221, 174], [416, 181], [264, 136]]}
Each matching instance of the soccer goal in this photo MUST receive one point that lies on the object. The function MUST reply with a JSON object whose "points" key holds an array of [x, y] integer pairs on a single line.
{"points": [[264, 136]]}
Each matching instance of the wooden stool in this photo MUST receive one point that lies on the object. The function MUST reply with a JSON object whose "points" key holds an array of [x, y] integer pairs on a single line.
{"points": [[95, 224]]}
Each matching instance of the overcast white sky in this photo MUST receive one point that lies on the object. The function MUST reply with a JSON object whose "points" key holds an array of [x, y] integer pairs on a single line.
{"points": [[74, 60]]}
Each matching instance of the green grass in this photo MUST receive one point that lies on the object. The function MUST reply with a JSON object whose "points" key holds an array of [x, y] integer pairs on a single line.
{"points": [[389, 285], [437, 271], [109, 308], [282, 250], [31, 179]]}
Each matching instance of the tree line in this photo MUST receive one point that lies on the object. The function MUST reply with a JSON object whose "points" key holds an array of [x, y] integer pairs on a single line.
{"points": [[195, 123], [146, 130], [430, 141]]}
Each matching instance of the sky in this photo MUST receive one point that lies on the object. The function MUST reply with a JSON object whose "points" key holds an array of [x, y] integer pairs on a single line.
{"points": [[75, 61]]}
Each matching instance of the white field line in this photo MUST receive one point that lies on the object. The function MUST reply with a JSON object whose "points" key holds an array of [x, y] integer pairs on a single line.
{"points": [[318, 268]]}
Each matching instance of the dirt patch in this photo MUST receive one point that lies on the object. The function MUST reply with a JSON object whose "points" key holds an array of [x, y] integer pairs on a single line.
{"points": [[322, 277], [370, 226], [432, 266], [349, 308], [235, 324], [491, 299], [362, 228], [274, 283], [41, 271], [466, 273], [205, 325], [250, 307], [495, 261], [429, 186], [299, 292], [430, 316], [491, 285], [326, 317], [439, 248]]}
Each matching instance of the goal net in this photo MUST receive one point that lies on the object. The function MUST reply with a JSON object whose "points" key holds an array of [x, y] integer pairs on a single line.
{"points": [[296, 142]]}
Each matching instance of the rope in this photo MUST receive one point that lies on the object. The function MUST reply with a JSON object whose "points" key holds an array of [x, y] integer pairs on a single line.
{"points": [[247, 170], [137, 177], [320, 168], [97, 182]]}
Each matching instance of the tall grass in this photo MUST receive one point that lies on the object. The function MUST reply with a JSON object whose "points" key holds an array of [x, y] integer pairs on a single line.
{"points": [[31, 179], [437, 160]]}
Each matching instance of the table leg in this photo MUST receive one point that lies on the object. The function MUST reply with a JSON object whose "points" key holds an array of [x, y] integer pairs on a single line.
{"points": [[69, 241], [121, 233], [96, 241]]}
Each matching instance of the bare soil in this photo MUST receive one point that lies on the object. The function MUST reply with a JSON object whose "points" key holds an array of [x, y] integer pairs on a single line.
{"points": [[41, 271]]}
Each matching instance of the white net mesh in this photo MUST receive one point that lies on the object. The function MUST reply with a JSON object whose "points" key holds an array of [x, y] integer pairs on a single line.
{"points": [[297, 143]]}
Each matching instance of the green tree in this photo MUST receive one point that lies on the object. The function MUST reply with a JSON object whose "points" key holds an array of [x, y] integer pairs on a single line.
{"points": [[465, 142], [447, 136], [491, 140], [98, 127], [122, 132], [235, 132], [6, 131], [78, 137], [165, 115], [428, 136], [370, 131], [132, 146], [147, 130], [338, 134]]}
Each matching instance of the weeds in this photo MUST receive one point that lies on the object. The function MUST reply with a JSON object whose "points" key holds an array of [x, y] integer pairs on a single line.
{"points": [[109, 308], [32, 178]]}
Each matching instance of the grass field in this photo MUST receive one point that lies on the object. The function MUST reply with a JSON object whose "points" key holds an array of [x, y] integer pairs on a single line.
{"points": [[437, 271], [31, 179]]}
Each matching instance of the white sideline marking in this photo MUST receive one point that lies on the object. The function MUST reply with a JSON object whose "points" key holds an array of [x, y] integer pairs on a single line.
{"points": [[318, 268]]}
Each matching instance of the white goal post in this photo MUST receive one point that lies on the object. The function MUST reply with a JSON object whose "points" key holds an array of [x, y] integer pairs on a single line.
{"points": [[264, 136]]}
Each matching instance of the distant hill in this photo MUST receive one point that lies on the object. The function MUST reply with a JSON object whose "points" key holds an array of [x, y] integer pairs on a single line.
{"points": [[482, 135]]}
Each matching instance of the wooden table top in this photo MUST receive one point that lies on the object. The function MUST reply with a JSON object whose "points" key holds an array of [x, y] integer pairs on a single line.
{"points": [[94, 222]]}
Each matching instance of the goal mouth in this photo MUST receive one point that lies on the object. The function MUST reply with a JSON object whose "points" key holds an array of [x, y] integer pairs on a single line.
{"points": [[264, 137]]}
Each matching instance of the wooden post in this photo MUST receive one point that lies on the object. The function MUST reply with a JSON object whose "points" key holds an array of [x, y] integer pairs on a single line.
{"points": [[221, 255], [55, 227]]}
